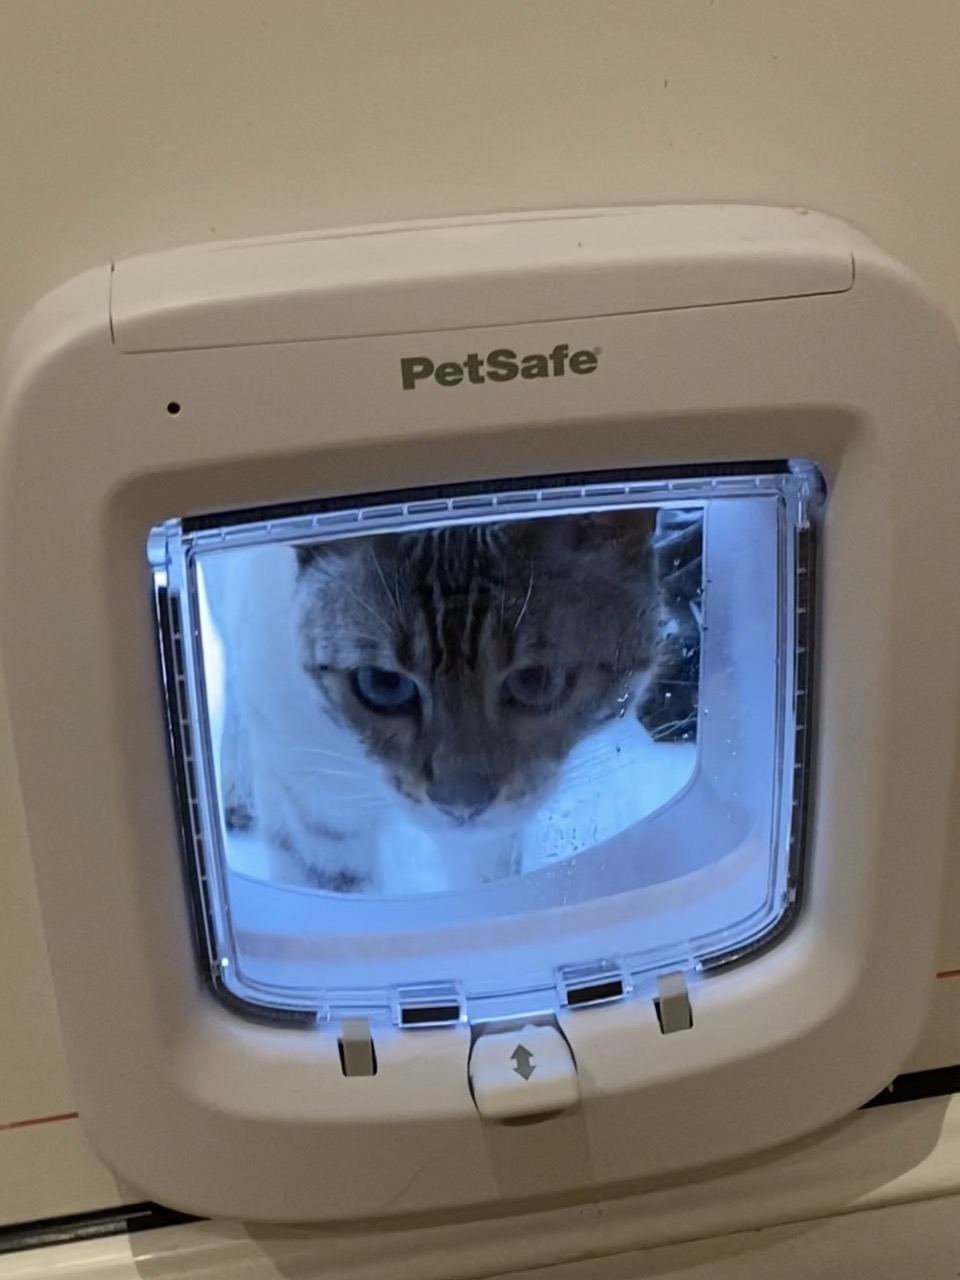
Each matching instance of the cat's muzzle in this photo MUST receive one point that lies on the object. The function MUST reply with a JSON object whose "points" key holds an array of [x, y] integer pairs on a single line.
{"points": [[464, 798]]}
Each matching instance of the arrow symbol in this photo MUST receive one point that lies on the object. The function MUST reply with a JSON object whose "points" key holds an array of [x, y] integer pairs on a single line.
{"points": [[524, 1061]]}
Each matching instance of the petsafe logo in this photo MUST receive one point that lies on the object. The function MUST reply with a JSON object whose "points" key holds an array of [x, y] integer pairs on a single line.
{"points": [[502, 365]]}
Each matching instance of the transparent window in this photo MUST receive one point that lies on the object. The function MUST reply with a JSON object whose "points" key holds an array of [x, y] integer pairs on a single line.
{"points": [[485, 752]]}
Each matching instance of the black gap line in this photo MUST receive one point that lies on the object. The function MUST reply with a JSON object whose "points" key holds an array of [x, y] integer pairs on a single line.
{"points": [[94, 1225]]}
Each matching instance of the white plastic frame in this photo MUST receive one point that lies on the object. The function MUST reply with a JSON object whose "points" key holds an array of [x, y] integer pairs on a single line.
{"points": [[724, 334]]}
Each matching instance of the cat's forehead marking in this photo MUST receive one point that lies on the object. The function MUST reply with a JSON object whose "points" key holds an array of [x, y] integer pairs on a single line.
{"points": [[463, 599], [465, 575]]}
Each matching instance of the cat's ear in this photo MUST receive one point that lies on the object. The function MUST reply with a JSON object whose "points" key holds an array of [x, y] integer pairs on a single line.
{"points": [[315, 555], [330, 555], [629, 532], [308, 555]]}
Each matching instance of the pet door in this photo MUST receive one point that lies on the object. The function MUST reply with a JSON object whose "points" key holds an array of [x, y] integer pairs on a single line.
{"points": [[521, 764], [486, 753]]}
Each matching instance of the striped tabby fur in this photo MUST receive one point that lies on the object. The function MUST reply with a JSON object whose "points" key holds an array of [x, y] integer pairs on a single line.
{"points": [[443, 674]]}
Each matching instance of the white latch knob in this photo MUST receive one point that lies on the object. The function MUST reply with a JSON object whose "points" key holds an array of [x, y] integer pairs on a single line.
{"points": [[522, 1073]]}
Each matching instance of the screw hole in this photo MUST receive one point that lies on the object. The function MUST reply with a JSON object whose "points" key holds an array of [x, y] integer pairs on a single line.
{"points": [[173, 408]]}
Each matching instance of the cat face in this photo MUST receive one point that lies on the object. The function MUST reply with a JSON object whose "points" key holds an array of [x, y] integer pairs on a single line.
{"points": [[469, 660]]}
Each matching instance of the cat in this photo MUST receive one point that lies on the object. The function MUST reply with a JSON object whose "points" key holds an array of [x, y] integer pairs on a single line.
{"points": [[437, 678]]}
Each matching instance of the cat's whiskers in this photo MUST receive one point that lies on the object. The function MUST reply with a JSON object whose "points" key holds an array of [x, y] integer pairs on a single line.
{"points": [[330, 773], [345, 586], [365, 802], [287, 686], [389, 594], [526, 601]]}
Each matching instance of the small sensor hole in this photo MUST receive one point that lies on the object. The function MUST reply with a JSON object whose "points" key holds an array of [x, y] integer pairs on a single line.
{"points": [[173, 408]]}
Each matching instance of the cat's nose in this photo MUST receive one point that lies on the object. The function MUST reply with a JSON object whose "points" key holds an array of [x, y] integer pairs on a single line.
{"points": [[464, 797]]}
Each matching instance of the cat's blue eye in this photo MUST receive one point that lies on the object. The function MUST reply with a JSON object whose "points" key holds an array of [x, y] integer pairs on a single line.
{"points": [[385, 691], [536, 688]]}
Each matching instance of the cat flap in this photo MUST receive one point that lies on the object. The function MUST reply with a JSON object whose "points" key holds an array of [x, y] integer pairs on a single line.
{"points": [[462, 756], [487, 753]]}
